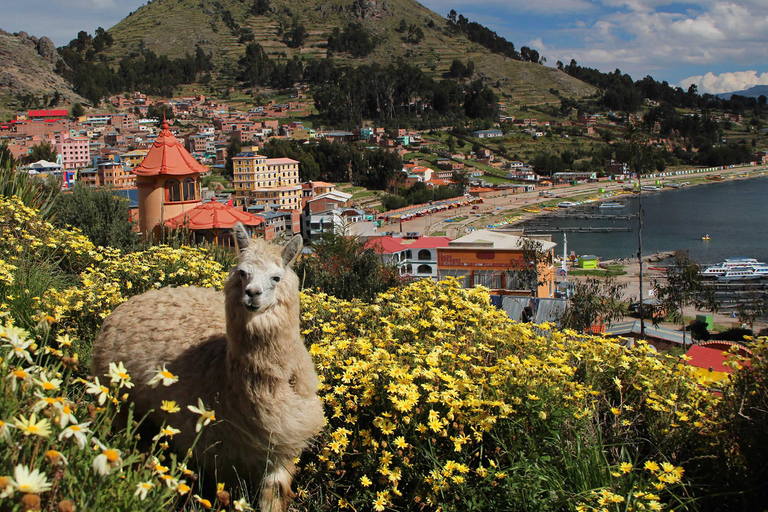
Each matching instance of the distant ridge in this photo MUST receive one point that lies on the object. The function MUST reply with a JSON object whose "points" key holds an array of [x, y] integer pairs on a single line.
{"points": [[223, 28], [752, 92]]}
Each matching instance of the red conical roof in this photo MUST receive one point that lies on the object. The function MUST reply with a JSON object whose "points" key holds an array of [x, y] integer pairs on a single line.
{"points": [[168, 156], [213, 215]]}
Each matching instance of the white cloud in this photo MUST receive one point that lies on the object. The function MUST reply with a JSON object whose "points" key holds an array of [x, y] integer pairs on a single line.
{"points": [[725, 82], [644, 37], [537, 44]]}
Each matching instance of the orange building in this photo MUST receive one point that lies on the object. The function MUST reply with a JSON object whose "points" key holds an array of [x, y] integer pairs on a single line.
{"points": [[115, 175], [168, 182], [493, 259]]}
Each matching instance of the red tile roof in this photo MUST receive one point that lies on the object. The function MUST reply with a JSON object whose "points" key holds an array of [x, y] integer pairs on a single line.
{"points": [[213, 215], [48, 113], [168, 156], [706, 358], [389, 244]]}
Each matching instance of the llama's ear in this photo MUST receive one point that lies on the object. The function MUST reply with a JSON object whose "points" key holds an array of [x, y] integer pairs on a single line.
{"points": [[241, 237], [291, 250]]}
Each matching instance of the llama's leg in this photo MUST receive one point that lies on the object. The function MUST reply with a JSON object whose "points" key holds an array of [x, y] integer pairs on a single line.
{"points": [[276, 491]]}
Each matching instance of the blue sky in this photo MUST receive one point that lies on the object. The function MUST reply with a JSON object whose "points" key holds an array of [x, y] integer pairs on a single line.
{"points": [[721, 46]]}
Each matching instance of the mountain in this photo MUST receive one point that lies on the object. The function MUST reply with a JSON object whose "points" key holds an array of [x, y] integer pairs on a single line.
{"points": [[224, 27], [753, 92], [27, 74]]}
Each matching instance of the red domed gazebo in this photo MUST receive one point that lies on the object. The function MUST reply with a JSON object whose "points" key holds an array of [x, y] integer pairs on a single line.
{"points": [[168, 181], [212, 222]]}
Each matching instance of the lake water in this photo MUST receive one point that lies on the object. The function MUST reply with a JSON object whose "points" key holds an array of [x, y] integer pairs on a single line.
{"points": [[733, 213]]}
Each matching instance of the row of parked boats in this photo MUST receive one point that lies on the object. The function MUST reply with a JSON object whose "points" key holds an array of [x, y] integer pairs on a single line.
{"points": [[737, 269]]}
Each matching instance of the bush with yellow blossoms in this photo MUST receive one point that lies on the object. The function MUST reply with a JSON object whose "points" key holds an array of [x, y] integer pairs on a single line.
{"points": [[436, 400]]}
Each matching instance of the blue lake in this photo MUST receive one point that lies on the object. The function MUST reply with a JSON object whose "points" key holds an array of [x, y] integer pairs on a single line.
{"points": [[733, 213]]}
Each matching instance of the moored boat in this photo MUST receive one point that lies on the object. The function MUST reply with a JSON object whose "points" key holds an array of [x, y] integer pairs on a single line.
{"points": [[737, 269], [566, 204], [611, 205]]}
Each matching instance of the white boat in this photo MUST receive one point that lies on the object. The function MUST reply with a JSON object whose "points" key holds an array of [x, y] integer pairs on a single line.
{"points": [[566, 204], [650, 188], [610, 205], [737, 269], [741, 274]]}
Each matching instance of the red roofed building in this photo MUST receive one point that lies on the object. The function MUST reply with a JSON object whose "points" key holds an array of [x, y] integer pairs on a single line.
{"points": [[710, 358], [413, 255], [47, 114], [168, 181], [212, 222]]}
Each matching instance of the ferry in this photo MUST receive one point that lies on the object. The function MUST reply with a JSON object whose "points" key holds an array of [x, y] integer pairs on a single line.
{"points": [[611, 205], [566, 204], [744, 273], [734, 269]]}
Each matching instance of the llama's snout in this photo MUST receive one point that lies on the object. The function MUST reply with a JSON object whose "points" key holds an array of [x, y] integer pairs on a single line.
{"points": [[256, 298]]}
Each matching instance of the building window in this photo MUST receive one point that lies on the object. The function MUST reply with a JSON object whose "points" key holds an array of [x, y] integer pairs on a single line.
{"points": [[424, 269], [172, 191], [488, 278], [424, 254], [189, 189]]}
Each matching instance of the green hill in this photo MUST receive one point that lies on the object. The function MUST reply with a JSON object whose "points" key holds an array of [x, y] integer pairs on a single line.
{"points": [[223, 28]]}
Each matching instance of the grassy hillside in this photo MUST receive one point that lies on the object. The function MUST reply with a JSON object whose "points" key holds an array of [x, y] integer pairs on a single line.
{"points": [[175, 27]]}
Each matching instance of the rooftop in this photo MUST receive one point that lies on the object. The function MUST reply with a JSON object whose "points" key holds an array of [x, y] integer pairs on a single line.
{"points": [[213, 215], [390, 244], [169, 157], [488, 239]]}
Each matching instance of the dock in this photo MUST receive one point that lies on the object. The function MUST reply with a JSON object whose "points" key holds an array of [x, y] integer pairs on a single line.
{"points": [[536, 230]]}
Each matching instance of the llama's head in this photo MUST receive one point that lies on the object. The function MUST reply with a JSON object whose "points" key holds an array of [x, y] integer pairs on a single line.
{"points": [[263, 275]]}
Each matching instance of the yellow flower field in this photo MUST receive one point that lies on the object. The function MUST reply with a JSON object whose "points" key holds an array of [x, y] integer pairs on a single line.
{"points": [[434, 399]]}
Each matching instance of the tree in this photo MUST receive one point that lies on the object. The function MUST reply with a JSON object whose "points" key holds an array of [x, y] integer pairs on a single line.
{"points": [[345, 268], [101, 214], [42, 151], [682, 287], [750, 308], [233, 149], [296, 35], [528, 275], [260, 7], [160, 112], [594, 300], [76, 111], [451, 143]]}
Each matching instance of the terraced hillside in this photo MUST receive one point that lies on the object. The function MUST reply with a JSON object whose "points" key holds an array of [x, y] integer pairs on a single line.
{"points": [[175, 27]]}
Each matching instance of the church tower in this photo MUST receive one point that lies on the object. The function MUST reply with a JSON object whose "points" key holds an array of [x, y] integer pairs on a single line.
{"points": [[168, 182]]}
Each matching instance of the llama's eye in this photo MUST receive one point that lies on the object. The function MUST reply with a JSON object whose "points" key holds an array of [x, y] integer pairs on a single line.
{"points": [[276, 279], [243, 274]]}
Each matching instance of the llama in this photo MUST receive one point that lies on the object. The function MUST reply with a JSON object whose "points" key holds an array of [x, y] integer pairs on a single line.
{"points": [[241, 353]]}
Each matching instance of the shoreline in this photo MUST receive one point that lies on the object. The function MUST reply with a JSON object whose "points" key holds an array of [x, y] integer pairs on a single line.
{"points": [[508, 211]]}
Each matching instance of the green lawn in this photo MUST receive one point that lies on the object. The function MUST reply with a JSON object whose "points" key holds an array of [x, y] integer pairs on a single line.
{"points": [[609, 271]]}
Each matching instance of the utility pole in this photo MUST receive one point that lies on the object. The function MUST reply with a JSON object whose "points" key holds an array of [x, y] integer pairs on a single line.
{"points": [[640, 248]]}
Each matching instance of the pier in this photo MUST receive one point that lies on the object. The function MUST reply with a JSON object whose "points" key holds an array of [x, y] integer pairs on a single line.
{"points": [[536, 230]]}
